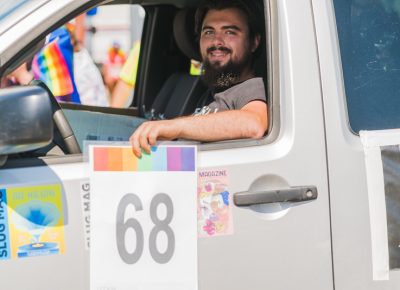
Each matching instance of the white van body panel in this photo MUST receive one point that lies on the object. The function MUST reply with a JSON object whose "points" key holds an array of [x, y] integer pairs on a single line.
{"points": [[351, 234], [264, 248]]}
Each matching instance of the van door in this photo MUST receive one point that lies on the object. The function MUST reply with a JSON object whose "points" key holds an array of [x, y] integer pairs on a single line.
{"points": [[282, 245], [358, 52]]}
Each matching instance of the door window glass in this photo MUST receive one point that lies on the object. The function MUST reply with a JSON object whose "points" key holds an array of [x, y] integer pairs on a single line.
{"points": [[369, 38]]}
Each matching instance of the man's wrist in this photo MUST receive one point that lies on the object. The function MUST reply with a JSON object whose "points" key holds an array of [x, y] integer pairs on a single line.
{"points": [[179, 127]]}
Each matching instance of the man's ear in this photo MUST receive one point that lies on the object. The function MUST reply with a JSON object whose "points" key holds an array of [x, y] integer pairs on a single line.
{"points": [[256, 42]]}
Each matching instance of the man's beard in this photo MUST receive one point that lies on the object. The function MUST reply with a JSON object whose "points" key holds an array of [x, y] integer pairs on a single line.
{"points": [[223, 77]]}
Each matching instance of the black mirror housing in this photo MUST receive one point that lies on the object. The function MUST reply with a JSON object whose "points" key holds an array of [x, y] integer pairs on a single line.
{"points": [[25, 119]]}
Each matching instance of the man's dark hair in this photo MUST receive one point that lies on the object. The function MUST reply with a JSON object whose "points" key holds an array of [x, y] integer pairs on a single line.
{"points": [[253, 10]]}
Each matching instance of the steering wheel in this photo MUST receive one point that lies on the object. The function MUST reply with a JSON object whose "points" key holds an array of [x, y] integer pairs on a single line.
{"points": [[63, 135]]}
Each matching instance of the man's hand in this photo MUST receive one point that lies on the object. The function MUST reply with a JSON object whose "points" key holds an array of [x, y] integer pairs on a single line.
{"points": [[149, 132]]}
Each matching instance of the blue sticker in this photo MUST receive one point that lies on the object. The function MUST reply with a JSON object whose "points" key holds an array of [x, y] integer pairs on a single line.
{"points": [[5, 252], [225, 197]]}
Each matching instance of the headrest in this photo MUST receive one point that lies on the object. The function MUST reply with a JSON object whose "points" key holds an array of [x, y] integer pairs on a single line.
{"points": [[184, 33]]}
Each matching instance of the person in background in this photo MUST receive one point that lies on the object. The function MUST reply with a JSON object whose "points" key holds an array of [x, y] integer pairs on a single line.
{"points": [[112, 66], [88, 79], [53, 65], [20, 76], [122, 94]]}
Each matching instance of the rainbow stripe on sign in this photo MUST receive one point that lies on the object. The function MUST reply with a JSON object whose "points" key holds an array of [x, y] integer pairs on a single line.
{"points": [[169, 158]]}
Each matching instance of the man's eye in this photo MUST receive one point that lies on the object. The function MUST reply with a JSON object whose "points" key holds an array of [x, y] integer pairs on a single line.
{"points": [[208, 32], [230, 32]]}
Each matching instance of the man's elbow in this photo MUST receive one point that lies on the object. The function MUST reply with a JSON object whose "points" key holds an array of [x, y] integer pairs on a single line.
{"points": [[256, 121], [257, 130]]}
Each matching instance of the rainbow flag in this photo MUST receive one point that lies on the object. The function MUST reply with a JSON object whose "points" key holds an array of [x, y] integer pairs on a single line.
{"points": [[54, 66]]}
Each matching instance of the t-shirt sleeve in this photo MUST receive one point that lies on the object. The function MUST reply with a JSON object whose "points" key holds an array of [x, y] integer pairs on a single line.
{"points": [[254, 91]]}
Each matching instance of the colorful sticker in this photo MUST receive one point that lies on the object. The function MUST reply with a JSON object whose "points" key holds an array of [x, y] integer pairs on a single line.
{"points": [[214, 209], [31, 221]]}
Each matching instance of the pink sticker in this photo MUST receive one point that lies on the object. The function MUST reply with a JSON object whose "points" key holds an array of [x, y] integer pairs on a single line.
{"points": [[214, 203]]}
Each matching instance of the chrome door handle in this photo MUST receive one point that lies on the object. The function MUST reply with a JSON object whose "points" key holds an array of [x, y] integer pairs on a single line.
{"points": [[293, 194]]}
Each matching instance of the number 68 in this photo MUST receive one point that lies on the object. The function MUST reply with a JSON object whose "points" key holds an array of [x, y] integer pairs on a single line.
{"points": [[132, 223]]}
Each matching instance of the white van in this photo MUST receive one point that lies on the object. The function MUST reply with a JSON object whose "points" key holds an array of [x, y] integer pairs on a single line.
{"points": [[301, 215]]}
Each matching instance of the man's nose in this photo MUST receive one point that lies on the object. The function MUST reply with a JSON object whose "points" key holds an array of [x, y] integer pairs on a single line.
{"points": [[218, 39]]}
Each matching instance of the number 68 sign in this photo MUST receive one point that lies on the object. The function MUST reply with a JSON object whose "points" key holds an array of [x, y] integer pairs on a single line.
{"points": [[143, 218]]}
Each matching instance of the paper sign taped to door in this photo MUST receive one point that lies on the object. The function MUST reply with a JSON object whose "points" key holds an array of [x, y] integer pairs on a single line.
{"points": [[143, 218]]}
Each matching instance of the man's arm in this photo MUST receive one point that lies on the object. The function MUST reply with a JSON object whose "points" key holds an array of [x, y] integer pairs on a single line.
{"points": [[249, 122]]}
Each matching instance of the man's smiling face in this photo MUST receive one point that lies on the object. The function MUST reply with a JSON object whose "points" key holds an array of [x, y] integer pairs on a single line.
{"points": [[225, 45], [224, 37]]}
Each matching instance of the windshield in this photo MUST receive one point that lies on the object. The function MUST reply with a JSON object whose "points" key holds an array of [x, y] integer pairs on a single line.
{"points": [[8, 7]]}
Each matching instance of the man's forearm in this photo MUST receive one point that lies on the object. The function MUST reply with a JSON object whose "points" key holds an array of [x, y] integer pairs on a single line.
{"points": [[249, 122], [226, 125]]}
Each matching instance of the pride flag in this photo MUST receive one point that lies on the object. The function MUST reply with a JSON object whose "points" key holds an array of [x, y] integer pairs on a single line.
{"points": [[54, 66]]}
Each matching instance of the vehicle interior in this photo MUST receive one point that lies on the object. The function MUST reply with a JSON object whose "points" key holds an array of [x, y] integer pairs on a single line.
{"points": [[164, 88]]}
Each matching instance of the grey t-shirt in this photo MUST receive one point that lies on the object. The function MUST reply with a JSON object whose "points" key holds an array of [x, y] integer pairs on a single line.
{"points": [[236, 97]]}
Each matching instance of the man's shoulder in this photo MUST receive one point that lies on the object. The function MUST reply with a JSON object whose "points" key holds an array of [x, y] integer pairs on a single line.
{"points": [[250, 86]]}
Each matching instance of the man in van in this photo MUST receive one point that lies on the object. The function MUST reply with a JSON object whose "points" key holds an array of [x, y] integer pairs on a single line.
{"points": [[229, 35]]}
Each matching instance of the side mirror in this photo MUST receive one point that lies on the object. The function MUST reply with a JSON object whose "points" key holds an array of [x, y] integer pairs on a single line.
{"points": [[25, 119]]}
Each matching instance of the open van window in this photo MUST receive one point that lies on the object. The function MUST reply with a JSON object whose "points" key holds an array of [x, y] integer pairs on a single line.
{"points": [[164, 83], [229, 38]]}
